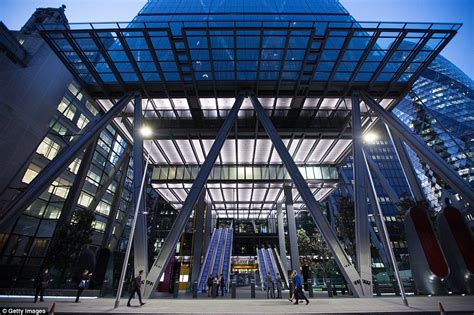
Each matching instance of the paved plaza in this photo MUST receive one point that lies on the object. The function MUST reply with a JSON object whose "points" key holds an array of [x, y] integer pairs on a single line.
{"points": [[380, 305]]}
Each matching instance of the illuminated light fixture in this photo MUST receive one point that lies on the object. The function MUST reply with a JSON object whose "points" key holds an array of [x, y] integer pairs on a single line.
{"points": [[146, 131], [370, 137]]}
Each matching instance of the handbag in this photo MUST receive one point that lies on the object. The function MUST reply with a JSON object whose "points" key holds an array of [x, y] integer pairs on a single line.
{"points": [[82, 284]]}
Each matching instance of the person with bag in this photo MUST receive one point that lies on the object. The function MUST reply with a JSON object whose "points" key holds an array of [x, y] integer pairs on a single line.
{"points": [[299, 289], [136, 287], [86, 276], [41, 283]]}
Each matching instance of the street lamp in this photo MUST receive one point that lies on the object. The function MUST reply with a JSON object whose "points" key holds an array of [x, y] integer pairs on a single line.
{"points": [[132, 231]]}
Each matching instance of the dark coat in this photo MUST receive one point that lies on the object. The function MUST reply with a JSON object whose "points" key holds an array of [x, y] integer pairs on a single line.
{"points": [[42, 280], [137, 282]]}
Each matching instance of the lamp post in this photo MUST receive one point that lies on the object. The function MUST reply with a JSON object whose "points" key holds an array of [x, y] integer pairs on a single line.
{"points": [[132, 232]]}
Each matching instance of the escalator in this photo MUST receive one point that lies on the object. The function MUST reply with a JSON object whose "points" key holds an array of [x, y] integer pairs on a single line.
{"points": [[261, 266], [218, 257], [227, 254], [204, 274]]}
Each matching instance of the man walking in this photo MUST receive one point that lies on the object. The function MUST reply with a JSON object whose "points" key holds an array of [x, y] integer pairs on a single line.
{"points": [[136, 286], [278, 285], [41, 284], [299, 289], [270, 286], [86, 276], [222, 284], [209, 286]]}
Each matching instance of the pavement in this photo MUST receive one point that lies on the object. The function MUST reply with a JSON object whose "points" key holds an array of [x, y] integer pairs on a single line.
{"points": [[203, 305]]}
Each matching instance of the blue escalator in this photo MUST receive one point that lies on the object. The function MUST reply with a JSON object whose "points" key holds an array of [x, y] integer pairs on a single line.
{"points": [[218, 254], [270, 266], [227, 254], [262, 267], [207, 261]]}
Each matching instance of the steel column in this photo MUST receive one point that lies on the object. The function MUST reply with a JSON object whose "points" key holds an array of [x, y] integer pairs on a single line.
{"points": [[345, 265], [362, 237], [373, 167], [198, 236], [140, 243], [281, 237], [58, 164], [384, 232], [169, 245], [207, 226], [426, 153], [290, 219], [130, 240]]}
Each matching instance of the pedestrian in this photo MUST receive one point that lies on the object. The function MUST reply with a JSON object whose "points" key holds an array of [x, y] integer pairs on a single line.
{"points": [[222, 284], [278, 285], [209, 286], [215, 286], [136, 287], [86, 276], [299, 289], [270, 286], [41, 283], [292, 287]]}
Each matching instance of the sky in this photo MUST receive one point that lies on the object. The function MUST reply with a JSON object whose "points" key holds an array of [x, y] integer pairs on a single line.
{"points": [[14, 13]]}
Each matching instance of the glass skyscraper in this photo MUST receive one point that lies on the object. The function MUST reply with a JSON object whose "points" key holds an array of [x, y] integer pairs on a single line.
{"points": [[440, 109]]}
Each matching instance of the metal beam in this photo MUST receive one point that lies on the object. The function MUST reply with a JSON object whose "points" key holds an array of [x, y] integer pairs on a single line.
{"points": [[426, 153], [59, 164], [140, 239], [169, 245], [362, 237], [198, 236], [384, 231], [281, 237], [345, 265], [292, 237]]}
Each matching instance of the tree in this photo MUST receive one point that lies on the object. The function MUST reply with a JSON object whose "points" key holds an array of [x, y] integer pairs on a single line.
{"points": [[70, 239], [345, 222]]}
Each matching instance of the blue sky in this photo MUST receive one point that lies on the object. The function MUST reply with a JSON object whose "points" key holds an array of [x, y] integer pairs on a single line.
{"points": [[460, 51]]}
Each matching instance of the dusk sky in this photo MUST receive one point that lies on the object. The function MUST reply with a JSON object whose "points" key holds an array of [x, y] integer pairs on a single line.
{"points": [[14, 14]]}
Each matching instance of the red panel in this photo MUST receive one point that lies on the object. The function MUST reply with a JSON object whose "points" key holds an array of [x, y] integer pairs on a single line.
{"points": [[429, 242], [461, 234]]}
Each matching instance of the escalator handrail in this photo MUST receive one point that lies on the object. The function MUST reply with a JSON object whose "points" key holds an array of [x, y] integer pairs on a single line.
{"points": [[209, 248]]}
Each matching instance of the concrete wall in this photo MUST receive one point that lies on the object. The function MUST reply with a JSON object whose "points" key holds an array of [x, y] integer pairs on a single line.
{"points": [[29, 97]]}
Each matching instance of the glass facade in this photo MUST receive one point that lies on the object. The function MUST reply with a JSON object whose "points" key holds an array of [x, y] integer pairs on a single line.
{"points": [[440, 109]]}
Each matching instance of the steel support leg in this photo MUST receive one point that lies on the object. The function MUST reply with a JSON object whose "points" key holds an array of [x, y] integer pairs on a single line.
{"points": [[198, 236], [59, 164], [169, 246], [281, 237], [426, 153], [140, 239], [207, 225], [342, 260], [384, 233], [290, 218], [362, 237]]}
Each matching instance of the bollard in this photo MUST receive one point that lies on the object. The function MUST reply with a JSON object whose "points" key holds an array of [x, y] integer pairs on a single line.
{"points": [[233, 288], [329, 287], [377, 288], [195, 289], [413, 285], [310, 288], [252, 288], [176, 289], [395, 287]]}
